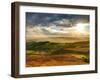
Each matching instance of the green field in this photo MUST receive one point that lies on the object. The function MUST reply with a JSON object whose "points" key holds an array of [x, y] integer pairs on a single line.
{"points": [[56, 54]]}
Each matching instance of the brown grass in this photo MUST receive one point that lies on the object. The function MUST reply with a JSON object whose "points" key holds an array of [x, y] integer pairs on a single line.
{"points": [[53, 60]]}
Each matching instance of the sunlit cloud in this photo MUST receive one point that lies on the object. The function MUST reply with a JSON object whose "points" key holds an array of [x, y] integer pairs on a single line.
{"points": [[55, 25]]}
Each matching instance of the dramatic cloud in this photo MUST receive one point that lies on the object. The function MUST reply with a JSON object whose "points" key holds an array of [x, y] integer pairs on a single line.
{"points": [[45, 19], [42, 26]]}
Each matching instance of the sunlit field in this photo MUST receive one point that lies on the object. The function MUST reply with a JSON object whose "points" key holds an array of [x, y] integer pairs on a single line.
{"points": [[56, 54]]}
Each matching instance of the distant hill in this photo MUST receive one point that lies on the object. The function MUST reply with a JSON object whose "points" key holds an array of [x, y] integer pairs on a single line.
{"points": [[51, 47], [61, 39]]}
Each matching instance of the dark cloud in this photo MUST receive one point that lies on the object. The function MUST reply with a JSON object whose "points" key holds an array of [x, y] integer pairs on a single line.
{"points": [[45, 19]]}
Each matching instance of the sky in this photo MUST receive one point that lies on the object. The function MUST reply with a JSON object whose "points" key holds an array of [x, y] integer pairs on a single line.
{"points": [[46, 25]]}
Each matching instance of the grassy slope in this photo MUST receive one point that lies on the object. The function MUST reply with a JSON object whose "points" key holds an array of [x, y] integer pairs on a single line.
{"points": [[66, 52]]}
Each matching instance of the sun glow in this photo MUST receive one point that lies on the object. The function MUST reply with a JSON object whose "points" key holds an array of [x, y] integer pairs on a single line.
{"points": [[80, 27]]}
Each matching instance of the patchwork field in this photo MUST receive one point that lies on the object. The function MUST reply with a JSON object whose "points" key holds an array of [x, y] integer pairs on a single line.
{"points": [[56, 54]]}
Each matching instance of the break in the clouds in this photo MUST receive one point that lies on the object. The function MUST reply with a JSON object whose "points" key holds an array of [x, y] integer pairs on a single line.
{"points": [[56, 25]]}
